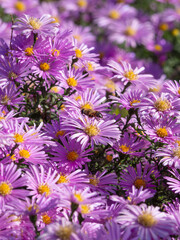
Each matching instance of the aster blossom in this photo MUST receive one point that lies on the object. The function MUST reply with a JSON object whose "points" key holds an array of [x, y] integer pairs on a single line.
{"points": [[145, 222], [43, 26], [10, 182], [126, 73], [92, 131]]}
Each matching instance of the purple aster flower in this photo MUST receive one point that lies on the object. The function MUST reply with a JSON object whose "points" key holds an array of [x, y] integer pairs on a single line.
{"points": [[163, 103], [126, 73], [130, 144], [54, 129], [102, 182], [160, 47], [92, 131], [10, 182], [75, 178], [145, 222], [18, 7], [63, 229], [9, 96], [82, 34], [28, 154], [60, 45], [88, 99], [170, 154], [141, 177], [140, 195], [25, 49], [44, 26], [161, 129], [75, 79], [71, 155], [12, 71], [132, 32], [40, 181], [83, 53], [174, 183], [173, 87], [47, 67], [129, 99], [113, 13]]}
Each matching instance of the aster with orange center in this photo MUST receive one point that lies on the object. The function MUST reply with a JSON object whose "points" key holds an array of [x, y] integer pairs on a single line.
{"points": [[139, 177], [70, 155]]}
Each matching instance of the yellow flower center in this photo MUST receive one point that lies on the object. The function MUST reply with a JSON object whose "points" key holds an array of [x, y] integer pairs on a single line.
{"points": [[164, 26], [5, 188], [179, 91], [12, 75], [4, 100], [60, 133], [93, 180], [72, 156], [162, 105], [134, 101], [176, 152], [72, 82], [124, 148], [13, 158], [82, 3], [44, 66], [155, 89], [64, 233], [24, 153], [162, 132], [114, 14], [90, 66], [44, 189], [78, 197], [87, 106], [139, 182], [85, 209], [78, 37], [18, 138], [130, 31], [178, 10], [46, 219], [78, 98], [78, 53], [20, 6], [55, 52], [35, 23], [62, 179], [178, 142], [130, 75], [2, 118], [109, 158], [147, 220], [175, 32], [29, 51], [110, 85], [55, 89], [158, 47], [92, 130]]}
